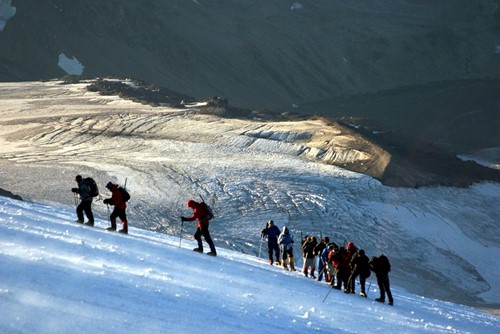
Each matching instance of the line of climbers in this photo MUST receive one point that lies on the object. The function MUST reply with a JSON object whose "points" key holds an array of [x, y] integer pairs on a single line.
{"points": [[87, 189], [340, 266]]}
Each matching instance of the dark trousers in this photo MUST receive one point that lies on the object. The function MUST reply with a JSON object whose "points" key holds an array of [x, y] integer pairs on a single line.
{"points": [[118, 213], [85, 206], [203, 231], [321, 269], [342, 276], [362, 283], [384, 286], [286, 252], [272, 246], [352, 281]]}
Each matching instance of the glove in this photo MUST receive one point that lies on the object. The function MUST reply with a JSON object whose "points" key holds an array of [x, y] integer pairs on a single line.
{"points": [[107, 201], [183, 219], [75, 190]]}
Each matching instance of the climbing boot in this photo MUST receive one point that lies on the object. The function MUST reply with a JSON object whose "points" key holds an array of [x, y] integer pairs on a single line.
{"points": [[284, 265], [292, 264], [124, 229]]}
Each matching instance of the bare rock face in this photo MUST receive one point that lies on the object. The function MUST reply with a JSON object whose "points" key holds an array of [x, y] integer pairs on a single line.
{"points": [[7, 193]]}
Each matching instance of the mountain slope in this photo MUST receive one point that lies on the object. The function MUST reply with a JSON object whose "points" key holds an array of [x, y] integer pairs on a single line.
{"points": [[275, 54], [59, 276], [250, 171], [256, 53]]}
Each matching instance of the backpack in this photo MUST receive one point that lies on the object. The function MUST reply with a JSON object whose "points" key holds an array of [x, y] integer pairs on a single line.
{"points": [[362, 266], [208, 214], [286, 240], [92, 186], [125, 194], [383, 263]]}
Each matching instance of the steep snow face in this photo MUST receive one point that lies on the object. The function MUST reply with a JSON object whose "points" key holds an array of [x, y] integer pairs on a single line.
{"points": [[61, 277], [249, 172]]}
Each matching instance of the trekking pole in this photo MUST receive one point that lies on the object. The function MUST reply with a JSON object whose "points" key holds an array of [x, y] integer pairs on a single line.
{"points": [[321, 272], [370, 285], [180, 236], [331, 288], [109, 216], [260, 247]]}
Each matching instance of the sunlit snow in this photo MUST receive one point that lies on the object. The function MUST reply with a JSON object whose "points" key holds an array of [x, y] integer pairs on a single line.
{"points": [[57, 276]]}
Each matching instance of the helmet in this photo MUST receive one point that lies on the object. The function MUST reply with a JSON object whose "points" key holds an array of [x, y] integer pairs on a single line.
{"points": [[78, 178], [109, 185], [191, 204], [270, 222]]}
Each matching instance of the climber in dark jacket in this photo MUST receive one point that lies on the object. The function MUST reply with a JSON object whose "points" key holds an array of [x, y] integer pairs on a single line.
{"points": [[272, 233], [381, 267], [318, 251], [85, 205], [360, 267], [308, 253]]}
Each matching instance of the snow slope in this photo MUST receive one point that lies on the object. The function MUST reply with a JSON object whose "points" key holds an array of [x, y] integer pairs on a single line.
{"points": [[61, 277], [442, 242]]}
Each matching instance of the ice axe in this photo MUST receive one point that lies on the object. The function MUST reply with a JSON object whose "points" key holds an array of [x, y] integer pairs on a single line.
{"points": [[201, 198]]}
